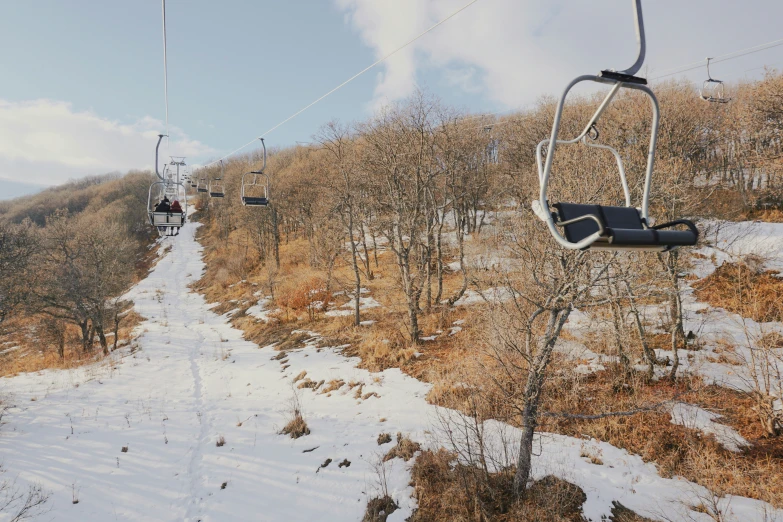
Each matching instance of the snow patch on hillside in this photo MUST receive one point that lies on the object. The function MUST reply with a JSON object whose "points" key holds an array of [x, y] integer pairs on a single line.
{"points": [[195, 381], [695, 417]]}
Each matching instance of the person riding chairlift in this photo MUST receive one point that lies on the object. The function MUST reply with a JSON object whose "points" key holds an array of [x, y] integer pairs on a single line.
{"points": [[163, 206], [176, 208]]}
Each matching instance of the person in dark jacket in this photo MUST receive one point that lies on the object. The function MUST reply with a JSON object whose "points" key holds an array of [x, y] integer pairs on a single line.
{"points": [[163, 206]]}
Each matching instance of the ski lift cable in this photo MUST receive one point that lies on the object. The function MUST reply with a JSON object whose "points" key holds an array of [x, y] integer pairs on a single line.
{"points": [[346, 82], [166, 77], [676, 70], [722, 58], [679, 70]]}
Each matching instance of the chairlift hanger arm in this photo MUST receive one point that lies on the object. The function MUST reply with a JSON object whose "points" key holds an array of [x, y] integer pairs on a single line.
{"points": [[160, 138], [640, 40], [264, 147]]}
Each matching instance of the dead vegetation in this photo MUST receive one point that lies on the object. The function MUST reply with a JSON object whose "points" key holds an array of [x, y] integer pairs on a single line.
{"points": [[447, 490], [378, 509], [744, 289], [296, 426], [405, 448]]}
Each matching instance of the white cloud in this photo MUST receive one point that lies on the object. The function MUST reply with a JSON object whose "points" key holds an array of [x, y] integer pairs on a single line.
{"points": [[513, 51], [46, 142]]}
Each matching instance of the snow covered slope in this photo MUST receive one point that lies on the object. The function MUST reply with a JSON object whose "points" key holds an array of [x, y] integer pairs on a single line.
{"points": [[194, 380]]}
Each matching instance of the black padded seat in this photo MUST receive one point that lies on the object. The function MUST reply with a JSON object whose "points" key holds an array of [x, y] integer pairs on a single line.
{"points": [[623, 228], [201, 190], [256, 202], [216, 194]]}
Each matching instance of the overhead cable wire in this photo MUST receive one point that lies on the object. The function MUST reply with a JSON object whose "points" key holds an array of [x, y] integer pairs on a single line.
{"points": [[346, 82], [165, 76], [723, 58], [675, 70]]}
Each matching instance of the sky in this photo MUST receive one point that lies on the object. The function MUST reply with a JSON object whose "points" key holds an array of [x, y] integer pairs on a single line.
{"points": [[81, 82]]}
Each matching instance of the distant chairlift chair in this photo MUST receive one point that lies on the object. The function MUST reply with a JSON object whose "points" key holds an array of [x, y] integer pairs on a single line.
{"points": [[216, 184], [255, 186], [713, 90]]}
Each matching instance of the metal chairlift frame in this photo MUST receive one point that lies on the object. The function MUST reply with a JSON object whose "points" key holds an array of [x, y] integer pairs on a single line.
{"points": [[255, 201], [166, 219], [214, 185], [713, 90], [203, 184], [618, 80]]}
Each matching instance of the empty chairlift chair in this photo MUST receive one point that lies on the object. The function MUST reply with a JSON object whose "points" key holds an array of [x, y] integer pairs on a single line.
{"points": [[255, 189], [713, 90], [255, 186], [216, 184], [592, 226], [216, 188], [202, 184]]}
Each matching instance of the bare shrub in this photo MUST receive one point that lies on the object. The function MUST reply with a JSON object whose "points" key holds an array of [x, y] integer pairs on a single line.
{"points": [[21, 503], [380, 507], [296, 426]]}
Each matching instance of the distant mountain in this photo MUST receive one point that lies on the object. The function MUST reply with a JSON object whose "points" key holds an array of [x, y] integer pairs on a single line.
{"points": [[14, 189]]}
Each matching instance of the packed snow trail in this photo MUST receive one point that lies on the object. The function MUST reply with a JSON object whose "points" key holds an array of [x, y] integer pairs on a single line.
{"points": [[194, 380]]}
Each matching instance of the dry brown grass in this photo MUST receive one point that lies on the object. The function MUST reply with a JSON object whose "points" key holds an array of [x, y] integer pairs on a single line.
{"points": [[743, 290], [448, 491], [378, 509], [333, 385], [296, 427], [677, 450], [405, 449], [309, 384]]}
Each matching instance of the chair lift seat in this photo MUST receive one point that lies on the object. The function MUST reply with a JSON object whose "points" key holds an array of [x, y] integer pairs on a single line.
{"points": [[253, 201], [623, 228], [216, 194], [160, 219], [201, 189]]}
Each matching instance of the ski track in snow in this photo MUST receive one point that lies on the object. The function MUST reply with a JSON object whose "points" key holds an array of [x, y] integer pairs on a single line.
{"points": [[195, 379]]}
